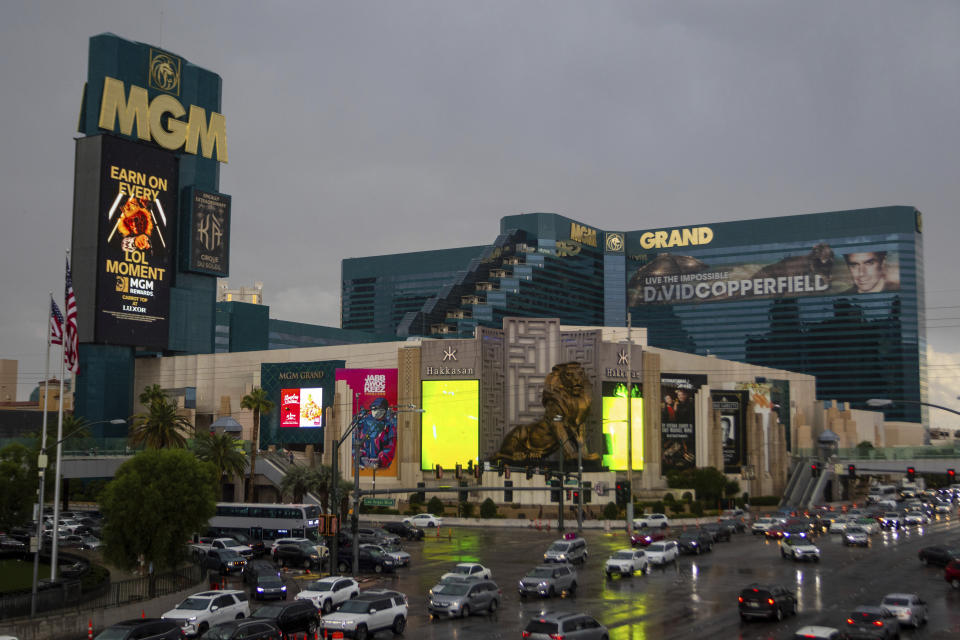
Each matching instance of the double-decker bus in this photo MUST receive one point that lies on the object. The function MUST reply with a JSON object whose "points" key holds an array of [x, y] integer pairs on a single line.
{"points": [[267, 522]]}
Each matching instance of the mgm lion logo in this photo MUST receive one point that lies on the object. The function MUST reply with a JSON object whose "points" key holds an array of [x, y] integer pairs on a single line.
{"points": [[566, 402], [164, 72]]}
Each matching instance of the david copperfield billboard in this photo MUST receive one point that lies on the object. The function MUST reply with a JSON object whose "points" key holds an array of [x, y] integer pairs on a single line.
{"points": [[136, 228]]}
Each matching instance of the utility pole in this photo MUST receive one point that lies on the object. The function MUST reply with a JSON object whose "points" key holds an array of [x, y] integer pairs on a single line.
{"points": [[629, 425]]}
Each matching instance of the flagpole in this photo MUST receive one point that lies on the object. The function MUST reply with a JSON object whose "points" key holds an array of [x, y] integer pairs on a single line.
{"points": [[56, 475], [41, 463]]}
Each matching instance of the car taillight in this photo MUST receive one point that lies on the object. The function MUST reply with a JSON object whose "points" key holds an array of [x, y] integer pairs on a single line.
{"points": [[525, 634], [556, 636], [739, 598], [878, 623], [770, 601]]}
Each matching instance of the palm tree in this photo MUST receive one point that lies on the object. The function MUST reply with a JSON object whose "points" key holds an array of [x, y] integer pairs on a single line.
{"points": [[258, 402], [152, 394], [161, 427], [298, 482], [74, 428], [223, 452]]}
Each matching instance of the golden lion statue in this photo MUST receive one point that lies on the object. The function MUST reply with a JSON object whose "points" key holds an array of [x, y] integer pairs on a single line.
{"points": [[566, 401]]}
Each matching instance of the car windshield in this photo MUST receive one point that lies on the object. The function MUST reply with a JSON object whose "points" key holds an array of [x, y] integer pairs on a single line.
{"points": [[897, 602], [269, 581], [268, 611], [465, 569], [230, 542], [541, 626], [320, 585], [194, 604], [354, 606], [453, 589], [856, 530], [540, 573], [657, 546], [623, 555], [558, 546]]}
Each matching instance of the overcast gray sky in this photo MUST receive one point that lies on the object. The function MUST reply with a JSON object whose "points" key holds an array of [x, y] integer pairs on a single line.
{"points": [[361, 128]]}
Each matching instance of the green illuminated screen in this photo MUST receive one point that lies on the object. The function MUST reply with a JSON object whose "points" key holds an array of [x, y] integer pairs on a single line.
{"points": [[615, 427], [450, 431]]}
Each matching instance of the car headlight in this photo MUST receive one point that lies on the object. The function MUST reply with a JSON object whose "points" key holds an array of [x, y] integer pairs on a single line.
{"points": [[542, 584], [260, 589], [283, 587]]}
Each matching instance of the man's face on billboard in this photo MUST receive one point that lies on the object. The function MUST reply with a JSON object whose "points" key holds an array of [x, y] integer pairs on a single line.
{"points": [[866, 269], [682, 395]]}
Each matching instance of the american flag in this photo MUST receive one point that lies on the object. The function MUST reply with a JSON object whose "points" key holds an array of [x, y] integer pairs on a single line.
{"points": [[71, 344], [56, 324]]}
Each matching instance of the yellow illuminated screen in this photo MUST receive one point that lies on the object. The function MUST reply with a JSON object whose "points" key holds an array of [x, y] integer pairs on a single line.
{"points": [[615, 429], [450, 431]]}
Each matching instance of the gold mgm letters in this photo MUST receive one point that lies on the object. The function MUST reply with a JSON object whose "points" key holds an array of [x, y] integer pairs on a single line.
{"points": [[583, 234], [676, 238], [116, 106]]}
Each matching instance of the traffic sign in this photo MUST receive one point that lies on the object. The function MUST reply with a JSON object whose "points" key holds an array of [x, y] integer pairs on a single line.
{"points": [[379, 502]]}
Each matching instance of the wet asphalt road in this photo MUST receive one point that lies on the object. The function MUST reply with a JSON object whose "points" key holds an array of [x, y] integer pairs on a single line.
{"points": [[695, 598]]}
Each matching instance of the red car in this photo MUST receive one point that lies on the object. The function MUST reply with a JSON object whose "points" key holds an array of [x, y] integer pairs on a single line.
{"points": [[952, 573], [644, 539], [775, 532]]}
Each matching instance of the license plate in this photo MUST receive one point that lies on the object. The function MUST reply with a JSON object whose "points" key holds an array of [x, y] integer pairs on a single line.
{"points": [[753, 604]]}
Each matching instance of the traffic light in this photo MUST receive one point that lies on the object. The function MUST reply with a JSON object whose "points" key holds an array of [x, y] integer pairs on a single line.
{"points": [[851, 471], [575, 497], [555, 488], [470, 467], [478, 472], [501, 468], [951, 475], [459, 470], [529, 473], [506, 473], [438, 472], [546, 477], [462, 494], [421, 494], [587, 492], [911, 474], [815, 470], [508, 491], [622, 493]]}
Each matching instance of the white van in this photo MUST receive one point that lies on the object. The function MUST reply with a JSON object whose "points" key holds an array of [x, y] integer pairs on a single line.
{"points": [[880, 492]]}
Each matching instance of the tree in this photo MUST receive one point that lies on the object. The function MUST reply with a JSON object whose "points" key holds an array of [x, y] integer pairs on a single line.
{"points": [[152, 394], [258, 402], [156, 501], [161, 427], [18, 488], [222, 451], [298, 482], [75, 428], [488, 509], [435, 506]]}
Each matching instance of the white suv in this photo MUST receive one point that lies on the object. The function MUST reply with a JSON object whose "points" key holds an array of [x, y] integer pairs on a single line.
{"points": [[652, 520], [330, 593], [373, 610], [626, 562], [202, 610]]}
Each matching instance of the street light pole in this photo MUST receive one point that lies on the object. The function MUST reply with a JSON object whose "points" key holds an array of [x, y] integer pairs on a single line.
{"points": [[42, 460]]}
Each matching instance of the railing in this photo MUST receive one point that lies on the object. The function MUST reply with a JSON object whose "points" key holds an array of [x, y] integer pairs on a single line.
{"points": [[886, 453], [70, 593]]}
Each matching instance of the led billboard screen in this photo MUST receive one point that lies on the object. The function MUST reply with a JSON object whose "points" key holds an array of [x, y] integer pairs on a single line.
{"points": [[136, 227], [678, 426], [817, 270], [209, 234], [732, 406], [615, 426], [301, 407], [373, 393], [450, 428]]}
